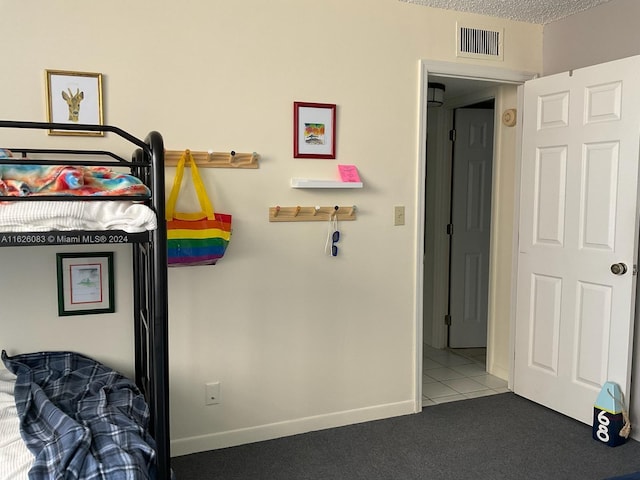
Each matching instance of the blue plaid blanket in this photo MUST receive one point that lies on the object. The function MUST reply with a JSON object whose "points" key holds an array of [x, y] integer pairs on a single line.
{"points": [[80, 419]]}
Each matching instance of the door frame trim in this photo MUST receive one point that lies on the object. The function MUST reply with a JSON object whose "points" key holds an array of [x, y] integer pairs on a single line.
{"points": [[472, 72]]}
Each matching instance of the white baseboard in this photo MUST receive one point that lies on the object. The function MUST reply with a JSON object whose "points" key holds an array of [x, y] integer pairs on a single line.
{"points": [[214, 441]]}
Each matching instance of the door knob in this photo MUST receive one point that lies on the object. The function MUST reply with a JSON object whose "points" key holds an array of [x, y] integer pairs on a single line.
{"points": [[618, 269]]}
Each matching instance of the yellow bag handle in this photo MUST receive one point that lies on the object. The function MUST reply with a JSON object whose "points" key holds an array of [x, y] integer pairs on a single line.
{"points": [[205, 203]]}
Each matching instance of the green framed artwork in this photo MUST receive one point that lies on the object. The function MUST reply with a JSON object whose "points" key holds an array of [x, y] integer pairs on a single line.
{"points": [[85, 283]]}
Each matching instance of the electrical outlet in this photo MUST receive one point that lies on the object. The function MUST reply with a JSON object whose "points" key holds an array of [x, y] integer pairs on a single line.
{"points": [[212, 393], [398, 215]]}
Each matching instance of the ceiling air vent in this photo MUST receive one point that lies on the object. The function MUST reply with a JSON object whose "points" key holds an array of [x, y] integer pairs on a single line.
{"points": [[474, 42]]}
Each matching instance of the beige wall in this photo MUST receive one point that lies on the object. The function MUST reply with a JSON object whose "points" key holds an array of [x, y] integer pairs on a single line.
{"points": [[600, 34], [299, 341]]}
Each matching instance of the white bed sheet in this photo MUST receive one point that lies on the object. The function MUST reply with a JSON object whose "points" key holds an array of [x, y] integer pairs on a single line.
{"points": [[45, 216], [15, 458]]}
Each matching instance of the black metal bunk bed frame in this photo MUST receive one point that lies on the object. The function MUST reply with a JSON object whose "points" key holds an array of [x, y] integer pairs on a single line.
{"points": [[149, 260]]}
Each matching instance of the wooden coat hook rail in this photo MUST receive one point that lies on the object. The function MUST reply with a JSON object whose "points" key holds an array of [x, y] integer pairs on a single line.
{"points": [[214, 159], [310, 214]]}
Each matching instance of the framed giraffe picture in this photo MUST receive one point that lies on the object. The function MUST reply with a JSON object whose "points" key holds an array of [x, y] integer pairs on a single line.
{"points": [[74, 98]]}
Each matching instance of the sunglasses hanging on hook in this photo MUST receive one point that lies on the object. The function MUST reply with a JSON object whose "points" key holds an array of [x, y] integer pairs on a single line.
{"points": [[333, 234]]}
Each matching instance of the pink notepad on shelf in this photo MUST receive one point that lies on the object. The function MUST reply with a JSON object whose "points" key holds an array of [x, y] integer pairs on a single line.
{"points": [[348, 173]]}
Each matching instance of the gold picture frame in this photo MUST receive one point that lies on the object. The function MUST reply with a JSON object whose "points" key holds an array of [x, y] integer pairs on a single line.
{"points": [[74, 98]]}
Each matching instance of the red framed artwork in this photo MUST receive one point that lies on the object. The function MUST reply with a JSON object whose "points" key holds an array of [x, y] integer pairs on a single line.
{"points": [[314, 130]]}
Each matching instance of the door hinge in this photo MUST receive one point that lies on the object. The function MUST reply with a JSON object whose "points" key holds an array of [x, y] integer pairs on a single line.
{"points": [[447, 320], [450, 229], [452, 135], [635, 269]]}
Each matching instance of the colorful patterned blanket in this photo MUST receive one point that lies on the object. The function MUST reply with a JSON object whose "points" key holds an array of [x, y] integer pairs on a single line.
{"points": [[27, 180], [80, 419]]}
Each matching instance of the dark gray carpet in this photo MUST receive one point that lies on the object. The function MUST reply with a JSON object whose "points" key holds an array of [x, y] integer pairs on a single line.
{"points": [[498, 437]]}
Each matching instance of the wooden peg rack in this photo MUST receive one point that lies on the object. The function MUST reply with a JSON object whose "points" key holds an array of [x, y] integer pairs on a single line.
{"points": [[214, 159], [310, 214]]}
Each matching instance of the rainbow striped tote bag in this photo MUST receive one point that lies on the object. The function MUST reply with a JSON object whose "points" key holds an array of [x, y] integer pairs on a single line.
{"points": [[198, 238]]}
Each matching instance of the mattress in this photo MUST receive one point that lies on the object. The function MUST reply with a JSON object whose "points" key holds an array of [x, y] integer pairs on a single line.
{"points": [[18, 180], [15, 458], [43, 216]]}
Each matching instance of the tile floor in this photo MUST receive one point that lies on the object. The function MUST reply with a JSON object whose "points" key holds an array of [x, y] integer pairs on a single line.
{"points": [[449, 375]]}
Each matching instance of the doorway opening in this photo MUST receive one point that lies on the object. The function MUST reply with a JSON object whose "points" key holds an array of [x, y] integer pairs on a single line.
{"points": [[456, 278], [464, 85], [459, 371]]}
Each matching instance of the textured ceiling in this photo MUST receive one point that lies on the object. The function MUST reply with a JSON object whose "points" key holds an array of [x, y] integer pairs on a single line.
{"points": [[529, 11]]}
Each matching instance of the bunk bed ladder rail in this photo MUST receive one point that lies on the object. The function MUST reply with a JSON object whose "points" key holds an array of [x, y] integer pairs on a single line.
{"points": [[151, 310]]}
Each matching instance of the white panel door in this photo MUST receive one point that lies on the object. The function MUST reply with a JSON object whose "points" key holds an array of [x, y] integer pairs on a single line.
{"points": [[471, 219], [578, 218]]}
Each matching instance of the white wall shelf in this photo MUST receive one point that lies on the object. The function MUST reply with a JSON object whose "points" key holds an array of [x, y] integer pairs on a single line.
{"points": [[309, 183]]}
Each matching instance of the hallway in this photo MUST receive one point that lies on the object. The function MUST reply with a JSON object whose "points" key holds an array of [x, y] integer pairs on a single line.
{"points": [[449, 375]]}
